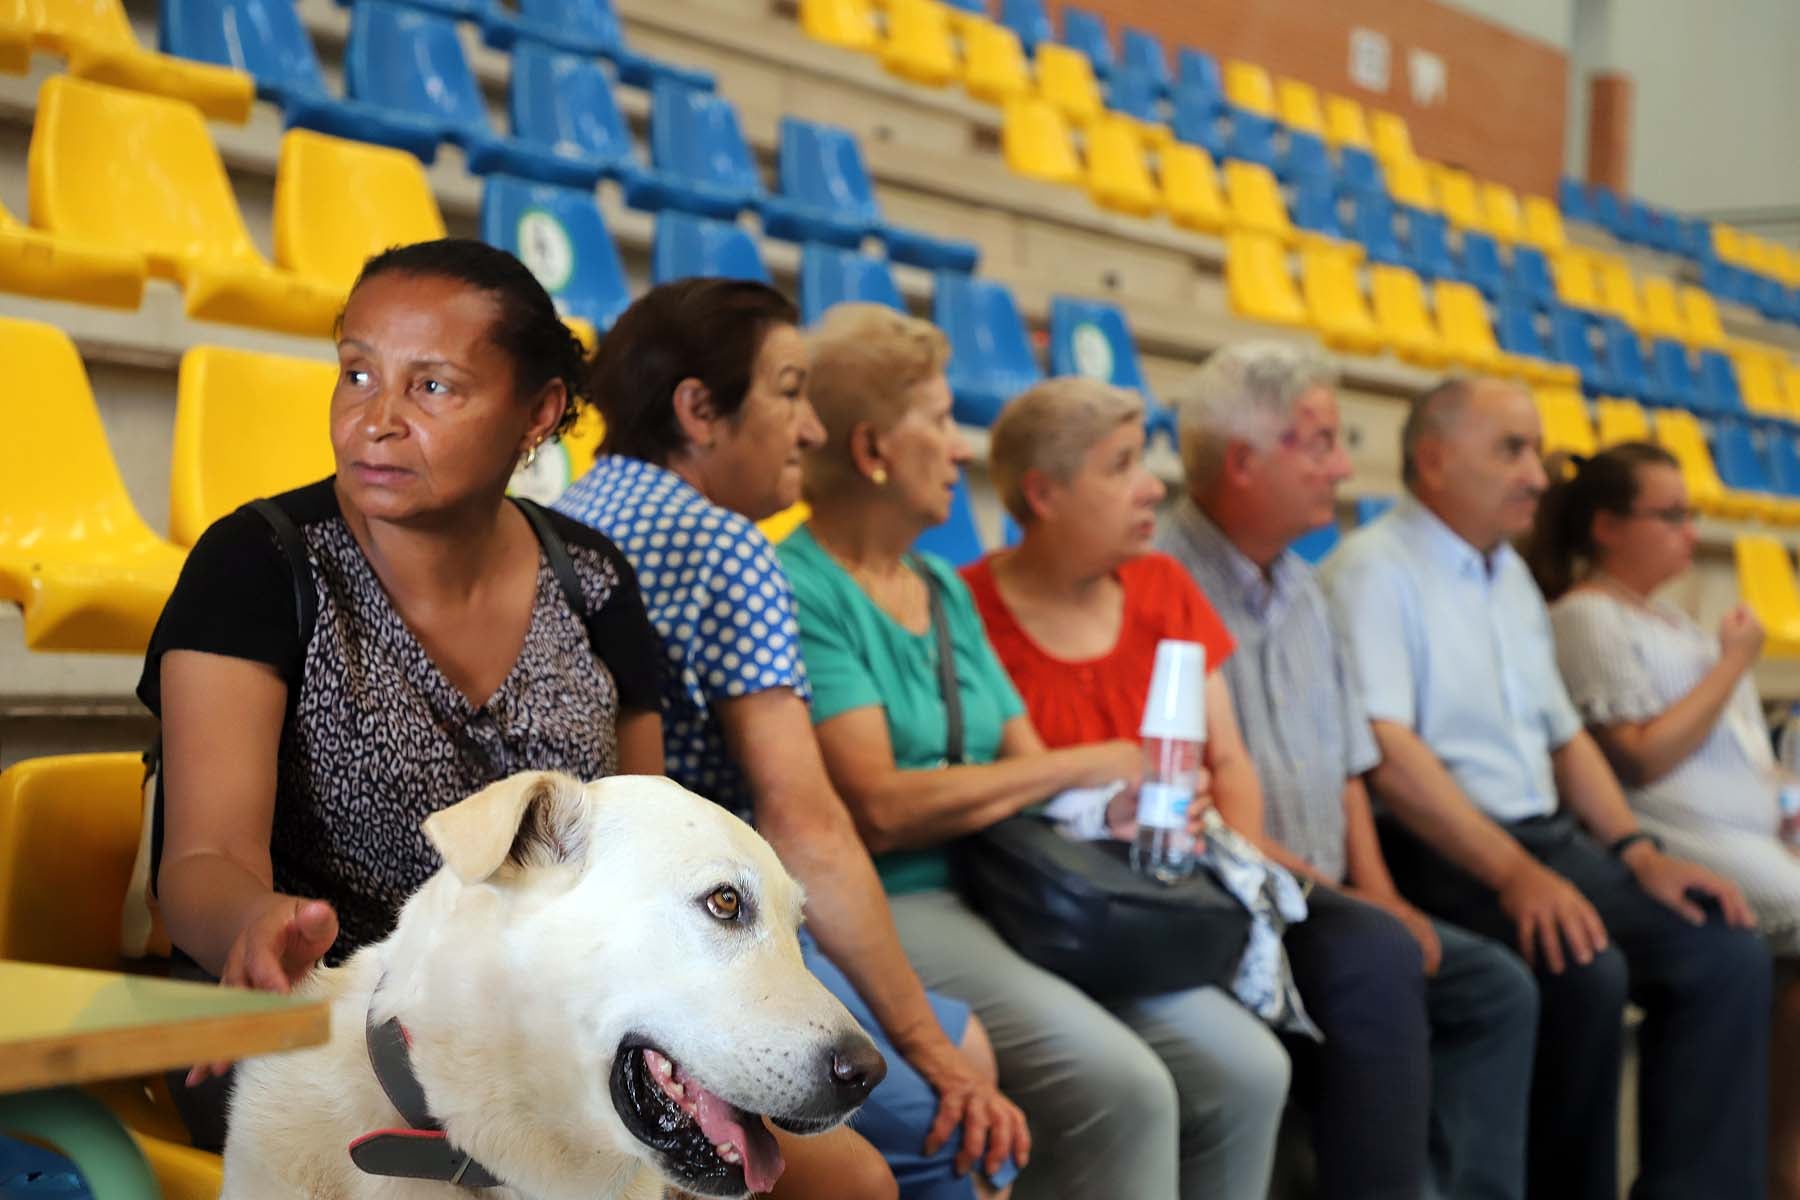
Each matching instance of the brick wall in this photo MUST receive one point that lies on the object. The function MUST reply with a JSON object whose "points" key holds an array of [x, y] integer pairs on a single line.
{"points": [[1502, 112]]}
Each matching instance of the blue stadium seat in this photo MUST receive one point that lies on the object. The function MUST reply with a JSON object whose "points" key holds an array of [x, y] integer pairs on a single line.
{"points": [[460, 10], [1517, 327], [411, 62], [1771, 298], [1608, 212], [825, 196], [1624, 358], [560, 234], [700, 161], [1637, 223], [1093, 339], [1086, 31], [1571, 342], [1675, 369], [1784, 459], [1572, 198], [1428, 245], [977, 7], [1304, 158], [1368, 508], [589, 27], [957, 539], [1136, 94], [1199, 70], [1719, 384], [1359, 173], [1481, 263], [1696, 238], [264, 39], [1143, 52], [833, 275], [990, 351], [1372, 224], [687, 245], [1742, 465], [1315, 206], [1531, 275], [564, 104], [1195, 118], [1029, 20], [1315, 544], [1252, 137]]}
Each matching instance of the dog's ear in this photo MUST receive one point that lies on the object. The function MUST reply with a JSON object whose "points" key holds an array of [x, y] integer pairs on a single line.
{"points": [[529, 819]]}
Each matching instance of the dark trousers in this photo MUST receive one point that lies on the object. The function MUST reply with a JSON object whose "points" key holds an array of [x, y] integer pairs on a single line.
{"points": [[1367, 1087], [1705, 990]]}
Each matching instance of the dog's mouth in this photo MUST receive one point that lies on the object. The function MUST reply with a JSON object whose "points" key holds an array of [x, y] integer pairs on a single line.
{"points": [[709, 1144]]}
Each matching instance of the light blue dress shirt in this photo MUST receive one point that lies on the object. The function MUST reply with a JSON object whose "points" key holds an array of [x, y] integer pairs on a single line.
{"points": [[1456, 646]]}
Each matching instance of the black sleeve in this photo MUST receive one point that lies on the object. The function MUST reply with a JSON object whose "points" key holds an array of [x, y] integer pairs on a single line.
{"points": [[235, 597], [617, 623]]}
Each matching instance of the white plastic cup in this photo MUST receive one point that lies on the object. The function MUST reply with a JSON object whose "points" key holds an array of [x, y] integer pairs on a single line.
{"points": [[1176, 705]]}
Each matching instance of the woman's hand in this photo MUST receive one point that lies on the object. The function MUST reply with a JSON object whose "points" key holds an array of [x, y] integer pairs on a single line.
{"points": [[277, 948], [1741, 636]]}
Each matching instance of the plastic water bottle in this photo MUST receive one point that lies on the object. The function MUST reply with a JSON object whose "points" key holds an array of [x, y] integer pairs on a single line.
{"points": [[1788, 746], [1174, 733]]}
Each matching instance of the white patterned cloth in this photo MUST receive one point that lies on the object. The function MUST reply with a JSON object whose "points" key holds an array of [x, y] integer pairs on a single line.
{"points": [[1264, 982]]}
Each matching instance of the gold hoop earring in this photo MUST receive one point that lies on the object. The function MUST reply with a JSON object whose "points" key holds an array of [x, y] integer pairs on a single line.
{"points": [[879, 476], [530, 456]]}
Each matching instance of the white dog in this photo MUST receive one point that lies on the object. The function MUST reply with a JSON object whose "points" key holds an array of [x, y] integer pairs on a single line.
{"points": [[600, 992]]}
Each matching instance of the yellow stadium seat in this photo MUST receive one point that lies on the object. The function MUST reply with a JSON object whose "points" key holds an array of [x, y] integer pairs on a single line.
{"points": [[182, 1172], [1409, 182], [1257, 280], [1390, 137], [1065, 78], [1401, 315], [18, 23], [169, 199], [1759, 380], [1543, 225], [994, 67], [1468, 335], [1728, 243], [1618, 421], [1299, 105], [1334, 301], [1662, 311], [1500, 211], [778, 527], [1345, 124], [74, 553], [1702, 318], [97, 39], [1564, 417], [1457, 199], [1790, 387], [1253, 199], [338, 203], [34, 263], [1118, 177], [918, 45], [1248, 86], [1766, 580], [1034, 140], [1680, 434], [846, 23], [246, 425], [1573, 275], [582, 441], [1190, 185], [1618, 291]]}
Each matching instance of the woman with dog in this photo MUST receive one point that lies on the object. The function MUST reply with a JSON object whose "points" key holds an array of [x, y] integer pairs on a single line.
{"points": [[1180, 1095], [452, 637], [703, 386]]}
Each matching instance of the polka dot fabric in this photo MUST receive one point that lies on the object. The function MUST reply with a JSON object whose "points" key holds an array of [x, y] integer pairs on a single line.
{"points": [[717, 596]]}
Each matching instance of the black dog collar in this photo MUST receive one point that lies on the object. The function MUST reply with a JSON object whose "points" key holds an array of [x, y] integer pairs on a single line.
{"points": [[421, 1151]]}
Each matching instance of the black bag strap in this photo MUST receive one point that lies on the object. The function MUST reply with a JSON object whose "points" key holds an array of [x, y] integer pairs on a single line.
{"points": [[946, 666], [556, 551], [287, 536]]}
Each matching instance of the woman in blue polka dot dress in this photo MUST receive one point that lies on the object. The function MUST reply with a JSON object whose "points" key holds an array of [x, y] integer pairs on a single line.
{"points": [[702, 383]]}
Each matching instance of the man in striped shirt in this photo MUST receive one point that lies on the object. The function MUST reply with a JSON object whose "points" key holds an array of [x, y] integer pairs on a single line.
{"points": [[1260, 441]]}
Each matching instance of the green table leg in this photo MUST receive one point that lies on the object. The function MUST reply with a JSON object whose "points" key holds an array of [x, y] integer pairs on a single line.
{"points": [[83, 1129]]}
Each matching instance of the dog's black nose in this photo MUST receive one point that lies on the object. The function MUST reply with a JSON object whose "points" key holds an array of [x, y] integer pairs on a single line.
{"points": [[856, 1067]]}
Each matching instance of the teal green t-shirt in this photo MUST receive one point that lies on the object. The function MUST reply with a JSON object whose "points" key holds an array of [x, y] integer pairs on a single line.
{"points": [[857, 656]]}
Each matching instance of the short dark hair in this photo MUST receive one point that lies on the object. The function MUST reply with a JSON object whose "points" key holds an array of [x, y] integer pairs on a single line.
{"points": [[528, 328], [706, 329], [1432, 411]]}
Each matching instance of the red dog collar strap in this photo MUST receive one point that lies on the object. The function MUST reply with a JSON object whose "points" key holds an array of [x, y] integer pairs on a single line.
{"points": [[421, 1152]]}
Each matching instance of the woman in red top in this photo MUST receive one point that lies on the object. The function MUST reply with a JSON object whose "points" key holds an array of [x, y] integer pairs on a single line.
{"points": [[1074, 613]]}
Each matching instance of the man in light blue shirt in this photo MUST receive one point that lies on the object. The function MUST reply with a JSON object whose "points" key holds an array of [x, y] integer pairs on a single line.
{"points": [[1508, 821]]}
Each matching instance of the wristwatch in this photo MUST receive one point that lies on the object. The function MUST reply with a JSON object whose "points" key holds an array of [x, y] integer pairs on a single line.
{"points": [[1618, 848]]}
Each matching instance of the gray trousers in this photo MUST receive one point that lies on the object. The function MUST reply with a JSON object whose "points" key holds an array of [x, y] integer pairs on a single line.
{"points": [[1175, 1096]]}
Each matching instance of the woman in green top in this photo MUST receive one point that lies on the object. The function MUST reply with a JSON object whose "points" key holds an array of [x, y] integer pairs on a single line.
{"points": [[1177, 1095]]}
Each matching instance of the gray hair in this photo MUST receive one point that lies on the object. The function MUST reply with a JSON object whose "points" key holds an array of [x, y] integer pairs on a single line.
{"points": [[1432, 414], [1050, 427], [1245, 391]]}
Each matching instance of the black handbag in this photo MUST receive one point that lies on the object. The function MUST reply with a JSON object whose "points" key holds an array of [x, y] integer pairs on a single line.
{"points": [[1076, 908]]}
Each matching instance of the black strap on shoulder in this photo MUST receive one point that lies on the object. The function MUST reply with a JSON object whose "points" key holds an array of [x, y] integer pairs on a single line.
{"points": [[287, 536], [946, 666], [557, 551]]}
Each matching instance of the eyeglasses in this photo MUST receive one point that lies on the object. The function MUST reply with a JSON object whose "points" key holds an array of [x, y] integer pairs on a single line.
{"points": [[1317, 446], [1675, 514]]}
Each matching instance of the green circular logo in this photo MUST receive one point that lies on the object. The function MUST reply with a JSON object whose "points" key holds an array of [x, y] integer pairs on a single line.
{"points": [[545, 248], [1092, 352]]}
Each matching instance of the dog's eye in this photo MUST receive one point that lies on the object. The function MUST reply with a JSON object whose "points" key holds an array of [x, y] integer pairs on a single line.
{"points": [[725, 903]]}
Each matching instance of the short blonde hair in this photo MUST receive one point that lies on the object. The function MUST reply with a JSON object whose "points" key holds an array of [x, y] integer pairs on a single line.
{"points": [[1050, 427], [866, 359], [1245, 391]]}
